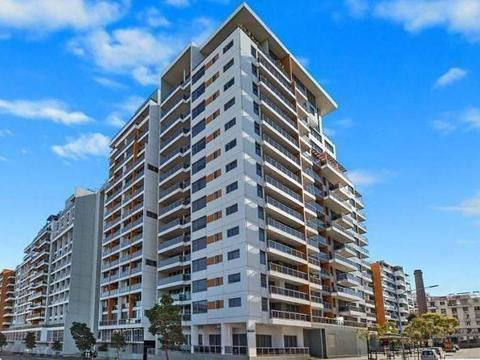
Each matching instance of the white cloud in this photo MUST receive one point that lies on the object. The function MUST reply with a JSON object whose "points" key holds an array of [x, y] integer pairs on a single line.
{"points": [[361, 177], [357, 8], [453, 74], [94, 144], [109, 83], [178, 3], [343, 123], [49, 15], [154, 18], [53, 110], [2, 158], [124, 111], [5, 133], [458, 16], [305, 61], [443, 126], [468, 207], [138, 51], [471, 117]]}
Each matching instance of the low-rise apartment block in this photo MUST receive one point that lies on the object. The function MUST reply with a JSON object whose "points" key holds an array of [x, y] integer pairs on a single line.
{"points": [[393, 293], [57, 282], [465, 307], [7, 298]]}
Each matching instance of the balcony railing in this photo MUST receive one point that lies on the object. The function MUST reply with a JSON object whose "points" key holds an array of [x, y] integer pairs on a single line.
{"points": [[285, 189], [277, 92], [173, 223], [344, 259], [286, 249], [280, 148], [285, 208], [277, 127], [285, 228], [271, 351], [288, 271], [282, 168], [174, 278], [173, 170], [274, 71], [173, 260], [278, 110], [176, 240], [173, 136], [288, 292], [288, 315], [348, 277]]}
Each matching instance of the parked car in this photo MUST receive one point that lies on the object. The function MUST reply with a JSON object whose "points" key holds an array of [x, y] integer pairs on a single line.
{"points": [[429, 354], [439, 351]]}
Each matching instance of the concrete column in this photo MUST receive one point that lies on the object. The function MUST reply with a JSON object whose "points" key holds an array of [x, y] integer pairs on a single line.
{"points": [[420, 290], [193, 336], [251, 338], [226, 334]]}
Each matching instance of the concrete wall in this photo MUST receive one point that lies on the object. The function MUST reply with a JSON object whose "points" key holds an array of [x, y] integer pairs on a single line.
{"points": [[334, 342]]}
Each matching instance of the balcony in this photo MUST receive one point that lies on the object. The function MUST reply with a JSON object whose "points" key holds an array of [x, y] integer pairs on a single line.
{"points": [[289, 215], [280, 75], [290, 274], [288, 315], [347, 294], [317, 241], [167, 141], [336, 203], [343, 264], [176, 169], [173, 262], [280, 169], [181, 297], [173, 281], [348, 280], [286, 232], [281, 151], [279, 293], [165, 228], [172, 190], [172, 244], [332, 169], [282, 189], [339, 233], [277, 111], [176, 205], [286, 252], [286, 102], [279, 131]]}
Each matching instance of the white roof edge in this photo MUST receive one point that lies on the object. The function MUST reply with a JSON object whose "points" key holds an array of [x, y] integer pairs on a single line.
{"points": [[174, 61]]}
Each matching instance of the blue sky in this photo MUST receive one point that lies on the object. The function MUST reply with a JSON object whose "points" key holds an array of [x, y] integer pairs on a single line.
{"points": [[405, 74]]}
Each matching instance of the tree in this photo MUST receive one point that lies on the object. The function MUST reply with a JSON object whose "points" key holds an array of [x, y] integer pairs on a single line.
{"points": [[83, 336], [389, 328], [3, 341], [165, 321], [57, 346], [411, 316], [30, 341], [118, 342], [430, 326]]}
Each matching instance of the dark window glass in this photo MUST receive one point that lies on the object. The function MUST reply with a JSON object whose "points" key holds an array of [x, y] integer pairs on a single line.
{"points": [[261, 213], [198, 127], [263, 257], [253, 51], [254, 70], [260, 191], [228, 65], [199, 203], [264, 304], [235, 302], [199, 244], [230, 145], [200, 307], [255, 89], [198, 75], [198, 146], [230, 166], [199, 165], [198, 109], [261, 234], [259, 170], [230, 124], [256, 109], [232, 209], [233, 186], [263, 280], [199, 285], [199, 264], [199, 223], [229, 104], [229, 84], [258, 149], [234, 254], [198, 91], [257, 128], [227, 47], [233, 231], [199, 184], [233, 278]]}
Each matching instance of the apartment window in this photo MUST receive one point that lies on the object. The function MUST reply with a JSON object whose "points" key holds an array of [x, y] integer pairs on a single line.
{"points": [[198, 165], [228, 65], [229, 104], [234, 278], [233, 231], [290, 341], [199, 203], [263, 257], [255, 89], [260, 191], [216, 282], [232, 187], [199, 184], [199, 244], [231, 209], [263, 280], [231, 165], [198, 146], [261, 234], [229, 84], [198, 91], [253, 51], [198, 109], [259, 169], [198, 75], [200, 307], [198, 127], [254, 69], [234, 254], [264, 304], [199, 264], [230, 145], [258, 149], [256, 108], [199, 285], [215, 259], [261, 213], [199, 223], [235, 302], [231, 123], [227, 47]]}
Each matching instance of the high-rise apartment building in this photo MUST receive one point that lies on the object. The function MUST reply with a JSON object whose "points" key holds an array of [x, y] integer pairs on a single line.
{"points": [[261, 233], [129, 245], [393, 293], [465, 307], [7, 298], [57, 282]]}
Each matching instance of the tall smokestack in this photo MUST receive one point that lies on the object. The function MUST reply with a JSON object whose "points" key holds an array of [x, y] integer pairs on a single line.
{"points": [[420, 290]]}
